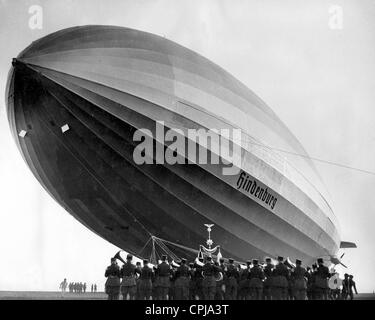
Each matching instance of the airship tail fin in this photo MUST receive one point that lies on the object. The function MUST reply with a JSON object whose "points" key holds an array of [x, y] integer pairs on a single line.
{"points": [[346, 244], [343, 245]]}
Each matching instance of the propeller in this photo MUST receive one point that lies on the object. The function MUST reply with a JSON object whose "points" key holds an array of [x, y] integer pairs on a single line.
{"points": [[337, 261], [343, 265]]}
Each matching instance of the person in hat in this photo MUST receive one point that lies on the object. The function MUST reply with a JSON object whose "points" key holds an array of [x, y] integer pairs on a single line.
{"points": [[172, 288], [267, 283], [290, 267], [128, 275], [198, 280], [313, 280], [182, 281], [334, 284], [112, 284], [63, 285], [209, 272], [138, 266], [243, 283], [345, 287], [309, 283], [321, 281], [299, 281], [352, 287], [163, 273], [256, 277], [192, 289], [145, 281], [220, 285], [155, 284], [280, 280], [232, 281]]}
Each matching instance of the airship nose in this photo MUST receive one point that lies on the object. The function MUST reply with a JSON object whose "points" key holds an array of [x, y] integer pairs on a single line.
{"points": [[16, 63]]}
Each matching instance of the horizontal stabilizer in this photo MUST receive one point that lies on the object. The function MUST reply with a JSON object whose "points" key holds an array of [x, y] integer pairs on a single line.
{"points": [[346, 244]]}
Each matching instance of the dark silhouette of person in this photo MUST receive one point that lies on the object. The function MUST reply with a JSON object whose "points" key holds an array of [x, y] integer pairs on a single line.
{"points": [[351, 287]]}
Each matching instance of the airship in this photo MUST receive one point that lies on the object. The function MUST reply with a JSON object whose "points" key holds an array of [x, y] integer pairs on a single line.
{"points": [[76, 100]]}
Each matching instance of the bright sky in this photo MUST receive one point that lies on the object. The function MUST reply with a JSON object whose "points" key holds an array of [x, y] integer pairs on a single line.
{"points": [[320, 81]]}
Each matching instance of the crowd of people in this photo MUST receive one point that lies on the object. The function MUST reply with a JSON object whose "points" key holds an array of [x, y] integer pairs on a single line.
{"points": [[76, 287], [205, 279]]}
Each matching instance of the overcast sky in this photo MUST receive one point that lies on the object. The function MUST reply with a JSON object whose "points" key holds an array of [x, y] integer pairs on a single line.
{"points": [[317, 74]]}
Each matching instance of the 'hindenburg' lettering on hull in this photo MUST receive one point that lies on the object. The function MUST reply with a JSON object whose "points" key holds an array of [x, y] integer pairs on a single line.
{"points": [[250, 185]]}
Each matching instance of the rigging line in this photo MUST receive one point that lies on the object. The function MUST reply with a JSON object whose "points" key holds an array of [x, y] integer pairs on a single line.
{"points": [[315, 159], [180, 246], [152, 254], [171, 253], [139, 252], [164, 248], [185, 248], [167, 250], [289, 152], [157, 255]]}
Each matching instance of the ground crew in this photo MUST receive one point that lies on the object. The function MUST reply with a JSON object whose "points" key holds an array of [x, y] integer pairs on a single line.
{"points": [[267, 284], [128, 275], [112, 284], [137, 280], [145, 281], [198, 280], [209, 271], [313, 279], [345, 287], [334, 284], [243, 283], [321, 281], [309, 289], [289, 294], [351, 287], [63, 285], [155, 285], [163, 273], [182, 282], [256, 277], [299, 281], [232, 278], [220, 285], [280, 280], [172, 291], [192, 290]]}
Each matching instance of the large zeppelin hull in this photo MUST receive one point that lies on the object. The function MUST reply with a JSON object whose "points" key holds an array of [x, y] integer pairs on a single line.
{"points": [[107, 82]]}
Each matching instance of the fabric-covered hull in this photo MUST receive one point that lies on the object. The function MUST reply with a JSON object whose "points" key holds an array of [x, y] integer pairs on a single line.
{"points": [[107, 82]]}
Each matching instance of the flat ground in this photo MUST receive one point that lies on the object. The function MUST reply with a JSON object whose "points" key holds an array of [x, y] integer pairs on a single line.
{"points": [[53, 295], [50, 295]]}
